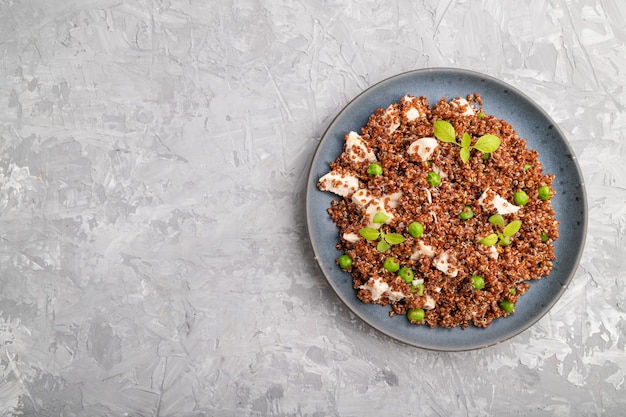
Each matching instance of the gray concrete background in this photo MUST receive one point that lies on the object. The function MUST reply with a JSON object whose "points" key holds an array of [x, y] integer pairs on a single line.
{"points": [[153, 254]]}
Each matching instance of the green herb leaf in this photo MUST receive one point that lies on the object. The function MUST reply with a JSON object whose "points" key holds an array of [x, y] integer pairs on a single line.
{"points": [[444, 131], [512, 228], [382, 246], [393, 238], [380, 217], [489, 240], [487, 143], [465, 154], [466, 140], [369, 233], [497, 220]]}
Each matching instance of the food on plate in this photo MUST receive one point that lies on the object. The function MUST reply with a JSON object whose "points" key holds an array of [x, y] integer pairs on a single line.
{"points": [[444, 214]]}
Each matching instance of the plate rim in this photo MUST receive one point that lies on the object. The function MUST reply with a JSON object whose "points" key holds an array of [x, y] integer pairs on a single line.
{"points": [[311, 186]]}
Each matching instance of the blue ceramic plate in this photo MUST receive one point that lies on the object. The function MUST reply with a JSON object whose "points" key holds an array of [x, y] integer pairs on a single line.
{"points": [[530, 122]]}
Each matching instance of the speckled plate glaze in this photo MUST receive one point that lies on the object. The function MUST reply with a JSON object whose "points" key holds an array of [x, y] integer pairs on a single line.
{"points": [[530, 122]]}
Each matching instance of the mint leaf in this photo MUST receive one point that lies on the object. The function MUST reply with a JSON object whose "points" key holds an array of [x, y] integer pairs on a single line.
{"points": [[512, 228], [504, 240], [487, 143], [444, 131], [465, 154], [489, 240], [369, 233], [466, 140], [497, 220], [380, 217], [393, 238], [382, 246]]}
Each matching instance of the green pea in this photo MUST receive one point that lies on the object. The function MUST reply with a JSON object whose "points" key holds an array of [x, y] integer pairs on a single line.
{"points": [[375, 169], [345, 261], [544, 237], [391, 264], [480, 115], [520, 198], [507, 306], [478, 282], [527, 167], [415, 314], [416, 229], [418, 289], [513, 290], [433, 179], [406, 274], [467, 213], [544, 192]]}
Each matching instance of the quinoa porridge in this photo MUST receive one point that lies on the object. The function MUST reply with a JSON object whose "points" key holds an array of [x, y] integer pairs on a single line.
{"points": [[444, 214]]}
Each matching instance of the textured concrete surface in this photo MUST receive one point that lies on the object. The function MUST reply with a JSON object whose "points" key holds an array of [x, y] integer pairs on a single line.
{"points": [[153, 254]]}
